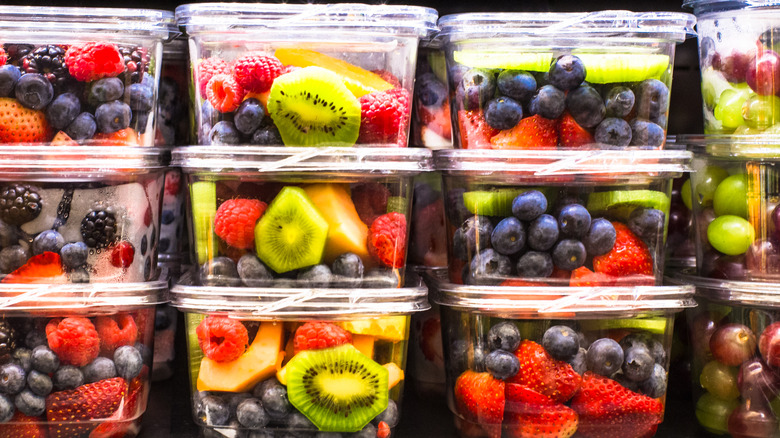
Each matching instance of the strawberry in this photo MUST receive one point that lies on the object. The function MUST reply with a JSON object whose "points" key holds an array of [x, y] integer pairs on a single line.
{"points": [[95, 60], [384, 116], [584, 277], [534, 132], [123, 137], [63, 139], [90, 401], [207, 68], [387, 240], [629, 255], [540, 372], [571, 134], [529, 414], [23, 426], [22, 125], [480, 399], [256, 73], [475, 133], [133, 407], [609, 410], [41, 268]]}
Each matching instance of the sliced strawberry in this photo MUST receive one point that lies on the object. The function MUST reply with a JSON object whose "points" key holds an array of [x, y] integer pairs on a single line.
{"points": [[475, 133], [123, 137], [571, 134], [629, 256], [584, 277], [63, 139], [23, 426], [42, 268], [22, 125], [533, 132], [528, 414], [540, 372], [480, 399], [65, 409]]}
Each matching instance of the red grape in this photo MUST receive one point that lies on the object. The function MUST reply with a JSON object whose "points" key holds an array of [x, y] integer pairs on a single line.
{"points": [[756, 380], [732, 344], [763, 258], [763, 74], [734, 66], [753, 420], [769, 344], [729, 268], [701, 329]]}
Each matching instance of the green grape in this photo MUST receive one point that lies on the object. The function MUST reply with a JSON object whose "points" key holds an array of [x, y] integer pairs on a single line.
{"points": [[731, 235], [685, 194], [707, 181], [731, 196], [712, 86], [729, 108], [720, 380], [761, 112], [713, 413]]}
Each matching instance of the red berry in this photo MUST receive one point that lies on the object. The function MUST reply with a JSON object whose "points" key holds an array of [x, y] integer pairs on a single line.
{"points": [[256, 73], [384, 117], [387, 240], [318, 335], [3, 57], [763, 73], [224, 93], [172, 182], [207, 68], [629, 256], [122, 255], [474, 132], [382, 430], [115, 331], [222, 339], [92, 61], [236, 219], [74, 339]]}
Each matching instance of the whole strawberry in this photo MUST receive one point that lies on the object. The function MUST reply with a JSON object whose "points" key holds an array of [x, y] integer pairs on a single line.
{"points": [[528, 414], [533, 132], [479, 398], [387, 240], [22, 125], [92, 61], [629, 255], [256, 73], [384, 117], [235, 221], [540, 372], [65, 409]]}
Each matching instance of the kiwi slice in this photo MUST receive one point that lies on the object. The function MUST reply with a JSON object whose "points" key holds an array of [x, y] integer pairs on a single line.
{"points": [[539, 62], [292, 232], [655, 325], [339, 389], [628, 199], [203, 198], [191, 321], [312, 107], [608, 68], [496, 202], [397, 204]]}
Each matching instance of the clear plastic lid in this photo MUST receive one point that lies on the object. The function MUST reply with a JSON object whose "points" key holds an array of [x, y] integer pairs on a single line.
{"points": [[86, 21], [72, 163], [97, 298], [289, 18], [729, 292], [701, 7], [670, 26], [763, 147], [287, 161]]}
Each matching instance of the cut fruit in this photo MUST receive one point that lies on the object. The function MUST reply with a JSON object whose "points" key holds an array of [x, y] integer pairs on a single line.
{"points": [[259, 361], [496, 202], [292, 232], [651, 325], [281, 375], [395, 374], [603, 201], [539, 62], [390, 328], [204, 208], [364, 344], [474, 131], [338, 389], [397, 204], [359, 81], [346, 232], [608, 68], [312, 107]]}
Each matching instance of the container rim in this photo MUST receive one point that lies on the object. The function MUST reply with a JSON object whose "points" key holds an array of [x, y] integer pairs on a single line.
{"points": [[671, 26], [701, 7], [82, 19], [747, 147], [397, 20], [760, 293], [281, 303], [60, 162], [86, 298]]}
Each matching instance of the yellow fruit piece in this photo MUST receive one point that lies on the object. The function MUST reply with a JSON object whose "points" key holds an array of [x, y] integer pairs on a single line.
{"points": [[394, 374], [359, 81], [346, 232], [364, 344], [281, 375], [258, 362], [389, 328]]}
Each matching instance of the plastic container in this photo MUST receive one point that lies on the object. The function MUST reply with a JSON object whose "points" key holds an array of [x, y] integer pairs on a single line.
{"points": [[85, 352], [369, 52], [79, 214], [64, 97], [680, 240], [428, 235], [555, 217], [426, 355], [734, 193], [733, 344], [368, 331], [498, 71], [532, 361], [173, 227], [173, 101], [165, 324], [431, 122], [306, 217]]}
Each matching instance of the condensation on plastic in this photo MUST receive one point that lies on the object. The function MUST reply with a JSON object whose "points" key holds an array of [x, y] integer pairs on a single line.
{"points": [[729, 292], [739, 147], [35, 299], [702, 7]]}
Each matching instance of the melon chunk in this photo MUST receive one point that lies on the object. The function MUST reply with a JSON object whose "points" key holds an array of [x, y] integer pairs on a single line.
{"points": [[258, 362], [394, 374], [364, 344], [346, 232]]}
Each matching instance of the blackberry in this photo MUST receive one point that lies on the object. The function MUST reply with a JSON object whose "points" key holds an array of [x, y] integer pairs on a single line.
{"points": [[99, 229], [19, 203], [17, 52], [7, 340], [136, 63], [49, 61]]}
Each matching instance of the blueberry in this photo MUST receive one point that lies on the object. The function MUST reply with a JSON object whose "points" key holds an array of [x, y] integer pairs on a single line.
{"points": [[489, 267], [504, 335], [567, 72], [502, 364], [600, 238], [529, 205], [455, 208], [12, 257], [503, 113], [7, 409], [637, 363], [578, 362], [68, 377], [23, 357], [548, 102], [317, 276], [141, 97], [648, 134], [299, 425], [12, 378], [34, 339], [619, 101], [471, 237], [625, 382], [647, 223], [517, 84], [430, 91], [212, 411], [475, 88], [561, 342], [63, 111], [253, 272], [542, 233], [224, 133], [652, 99], [219, 271], [39, 383], [9, 76], [167, 217], [99, 369], [585, 106], [165, 243], [34, 91], [48, 240], [112, 116], [348, 265], [128, 362], [79, 276], [656, 348], [534, 264], [604, 357], [274, 397], [369, 431], [614, 132], [574, 220], [105, 90], [30, 404], [655, 385], [83, 127], [569, 254], [249, 116], [508, 236], [267, 135], [44, 360], [390, 415], [250, 414]]}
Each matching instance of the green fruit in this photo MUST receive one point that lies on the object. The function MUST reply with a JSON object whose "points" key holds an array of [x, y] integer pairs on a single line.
{"points": [[313, 107], [608, 68], [707, 181], [729, 108], [496, 202], [713, 413], [438, 65], [657, 325], [539, 62], [720, 380], [203, 196], [603, 201], [397, 204], [195, 354], [761, 112], [338, 389], [731, 235], [292, 232], [685, 194], [730, 196], [712, 86]]}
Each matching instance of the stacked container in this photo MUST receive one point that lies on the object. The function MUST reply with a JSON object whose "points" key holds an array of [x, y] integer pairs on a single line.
{"points": [[80, 192]]}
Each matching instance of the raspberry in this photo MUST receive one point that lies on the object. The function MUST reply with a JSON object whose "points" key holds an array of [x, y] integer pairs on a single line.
{"points": [[92, 61], [387, 239], [74, 339], [207, 68], [222, 339], [383, 430], [3, 57], [115, 331], [384, 116], [256, 73], [172, 182], [236, 219], [122, 254], [224, 93], [318, 335]]}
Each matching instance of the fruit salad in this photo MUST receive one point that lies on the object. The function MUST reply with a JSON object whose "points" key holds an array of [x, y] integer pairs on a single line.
{"points": [[431, 123], [522, 81]]}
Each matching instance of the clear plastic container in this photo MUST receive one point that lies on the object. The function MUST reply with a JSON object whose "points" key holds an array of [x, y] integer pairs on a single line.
{"points": [[319, 74], [557, 218], [80, 75], [680, 240], [77, 358], [173, 102], [431, 122], [530, 361], [79, 214], [531, 80], [301, 341], [428, 235], [734, 348], [300, 217]]}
